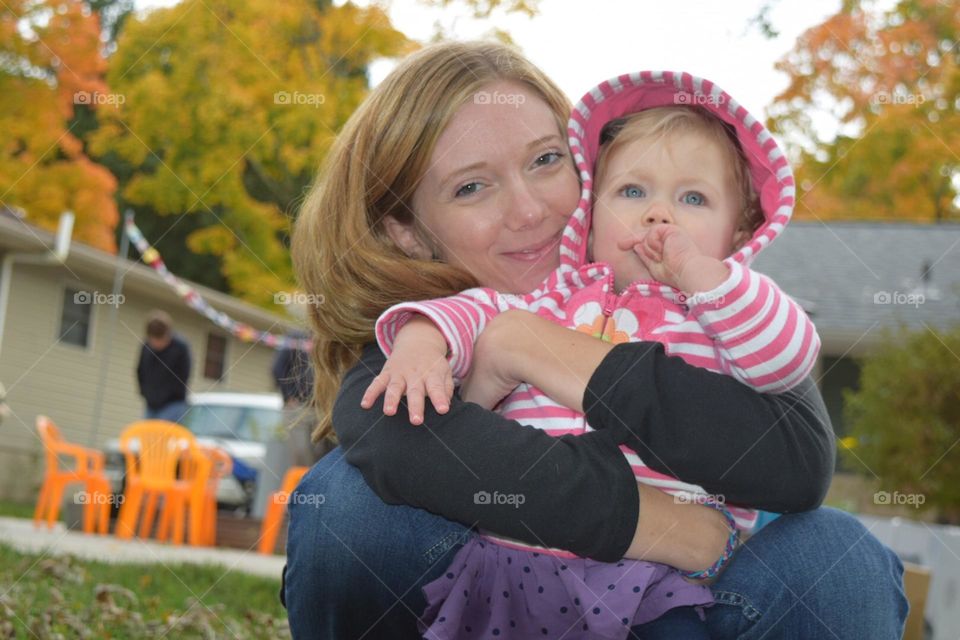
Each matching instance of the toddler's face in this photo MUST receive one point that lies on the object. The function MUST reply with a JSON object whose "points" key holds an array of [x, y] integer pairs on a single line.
{"points": [[683, 178]]}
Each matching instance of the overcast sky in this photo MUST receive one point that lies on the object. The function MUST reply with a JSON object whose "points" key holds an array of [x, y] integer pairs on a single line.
{"points": [[581, 43]]}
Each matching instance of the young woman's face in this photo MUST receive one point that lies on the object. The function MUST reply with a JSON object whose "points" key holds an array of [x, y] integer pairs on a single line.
{"points": [[499, 189]]}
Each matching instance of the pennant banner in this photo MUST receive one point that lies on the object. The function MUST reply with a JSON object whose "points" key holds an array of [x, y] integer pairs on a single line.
{"points": [[195, 301]]}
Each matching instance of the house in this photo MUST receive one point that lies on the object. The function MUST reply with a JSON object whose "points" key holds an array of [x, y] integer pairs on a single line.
{"points": [[860, 282], [63, 333]]}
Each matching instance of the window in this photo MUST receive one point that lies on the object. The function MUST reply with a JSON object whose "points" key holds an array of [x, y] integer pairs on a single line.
{"points": [[75, 317], [216, 356]]}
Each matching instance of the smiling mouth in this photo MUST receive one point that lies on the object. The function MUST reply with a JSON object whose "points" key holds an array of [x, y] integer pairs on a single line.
{"points": [[536, 251]]}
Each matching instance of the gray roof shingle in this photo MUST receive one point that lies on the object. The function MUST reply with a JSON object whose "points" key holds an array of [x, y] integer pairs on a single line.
{"points": [[853, 275]]}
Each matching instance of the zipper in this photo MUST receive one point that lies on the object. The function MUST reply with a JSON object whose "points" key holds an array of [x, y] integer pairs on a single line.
{"points": [[610, 299]]}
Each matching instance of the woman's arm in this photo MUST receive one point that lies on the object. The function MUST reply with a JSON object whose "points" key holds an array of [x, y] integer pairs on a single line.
{"points": [[765, 451], [578, 493]]}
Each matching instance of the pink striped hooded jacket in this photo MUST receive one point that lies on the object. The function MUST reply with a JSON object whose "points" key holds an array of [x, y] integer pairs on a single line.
{"points": [[746, 328]]}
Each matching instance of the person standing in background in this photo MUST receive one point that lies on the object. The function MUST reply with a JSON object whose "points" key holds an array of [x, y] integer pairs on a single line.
{"points": [[293, 373], [293, 376], [293, 446], [163, 369]]}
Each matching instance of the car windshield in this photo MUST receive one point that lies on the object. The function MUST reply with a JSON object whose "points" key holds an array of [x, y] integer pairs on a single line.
{"points": [[233, 422]]}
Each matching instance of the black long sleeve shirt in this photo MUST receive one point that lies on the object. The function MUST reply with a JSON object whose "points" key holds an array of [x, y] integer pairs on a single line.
{"points": [[764, 451], [162, 375]]}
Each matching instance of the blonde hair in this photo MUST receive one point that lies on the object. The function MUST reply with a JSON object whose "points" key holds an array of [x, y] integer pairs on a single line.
{"points": [[661, 122], [340, 248]]}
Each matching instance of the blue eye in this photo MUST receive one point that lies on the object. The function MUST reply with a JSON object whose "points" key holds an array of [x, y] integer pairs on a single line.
{"points": [[467, 190], [548, 158], [632, 191], [694, 198]]}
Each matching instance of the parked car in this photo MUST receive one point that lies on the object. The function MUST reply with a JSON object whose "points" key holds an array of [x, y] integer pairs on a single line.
{"points": [[239, 423]]}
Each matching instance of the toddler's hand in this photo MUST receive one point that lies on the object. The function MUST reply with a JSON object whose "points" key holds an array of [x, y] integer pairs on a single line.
{"points": [[666, 250], [419, 377], [417, 367]]}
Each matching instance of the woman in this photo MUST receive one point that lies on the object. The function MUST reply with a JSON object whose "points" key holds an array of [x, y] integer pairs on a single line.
{"points": [[455, 173]]}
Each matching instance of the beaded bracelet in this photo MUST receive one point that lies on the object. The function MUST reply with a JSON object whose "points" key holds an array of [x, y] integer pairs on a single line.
{"points": [[713, 570]]}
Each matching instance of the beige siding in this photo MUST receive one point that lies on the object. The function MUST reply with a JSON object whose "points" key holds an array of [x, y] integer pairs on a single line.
{"points": [[45, 376]]}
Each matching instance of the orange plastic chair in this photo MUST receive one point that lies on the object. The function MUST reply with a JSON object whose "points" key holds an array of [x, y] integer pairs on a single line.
{"points": [[221, 466], [153, 450], [276, 509], [88, 470]]}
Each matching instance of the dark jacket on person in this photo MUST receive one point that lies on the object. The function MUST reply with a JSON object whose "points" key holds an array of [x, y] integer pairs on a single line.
{"points": [[162, 375], [293, 373]]}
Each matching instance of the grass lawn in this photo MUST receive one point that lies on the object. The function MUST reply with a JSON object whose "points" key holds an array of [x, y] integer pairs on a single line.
{"points": [[16, 510], [50, 597]]}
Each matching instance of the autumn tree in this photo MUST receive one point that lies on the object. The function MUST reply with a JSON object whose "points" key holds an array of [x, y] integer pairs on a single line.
{"points": [[891, 80], [228, 109], [51, 63]]}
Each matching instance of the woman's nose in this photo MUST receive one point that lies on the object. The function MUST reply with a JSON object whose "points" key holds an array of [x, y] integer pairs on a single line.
{"points": [[658, 213], [526, 208]]}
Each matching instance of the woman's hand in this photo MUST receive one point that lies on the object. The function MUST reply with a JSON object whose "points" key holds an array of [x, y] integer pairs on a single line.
{"points": [[494, 374], [519, 346], [690, 537]]}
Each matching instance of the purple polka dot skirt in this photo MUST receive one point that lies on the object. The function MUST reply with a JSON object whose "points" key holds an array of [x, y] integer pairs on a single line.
{"points": [[492, 591]]}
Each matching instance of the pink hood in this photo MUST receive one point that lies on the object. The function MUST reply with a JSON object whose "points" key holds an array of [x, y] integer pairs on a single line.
{"points": [[626, 94]]}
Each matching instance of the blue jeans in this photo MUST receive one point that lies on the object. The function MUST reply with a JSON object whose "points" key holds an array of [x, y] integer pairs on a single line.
{"points": [[355, 568], [172, 411]]}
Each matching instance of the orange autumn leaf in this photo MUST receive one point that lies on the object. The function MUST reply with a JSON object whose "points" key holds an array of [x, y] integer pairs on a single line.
{"points": [[52, 54]]}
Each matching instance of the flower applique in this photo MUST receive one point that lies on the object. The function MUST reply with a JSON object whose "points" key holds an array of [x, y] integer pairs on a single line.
{"points": [[623, 325]]}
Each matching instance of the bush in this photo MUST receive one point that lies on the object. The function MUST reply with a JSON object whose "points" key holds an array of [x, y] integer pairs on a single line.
{"points": [[906, 421]]}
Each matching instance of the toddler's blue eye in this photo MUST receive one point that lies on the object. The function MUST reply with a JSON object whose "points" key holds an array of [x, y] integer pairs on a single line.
{"points": [[632, 192], [694, 198]]}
